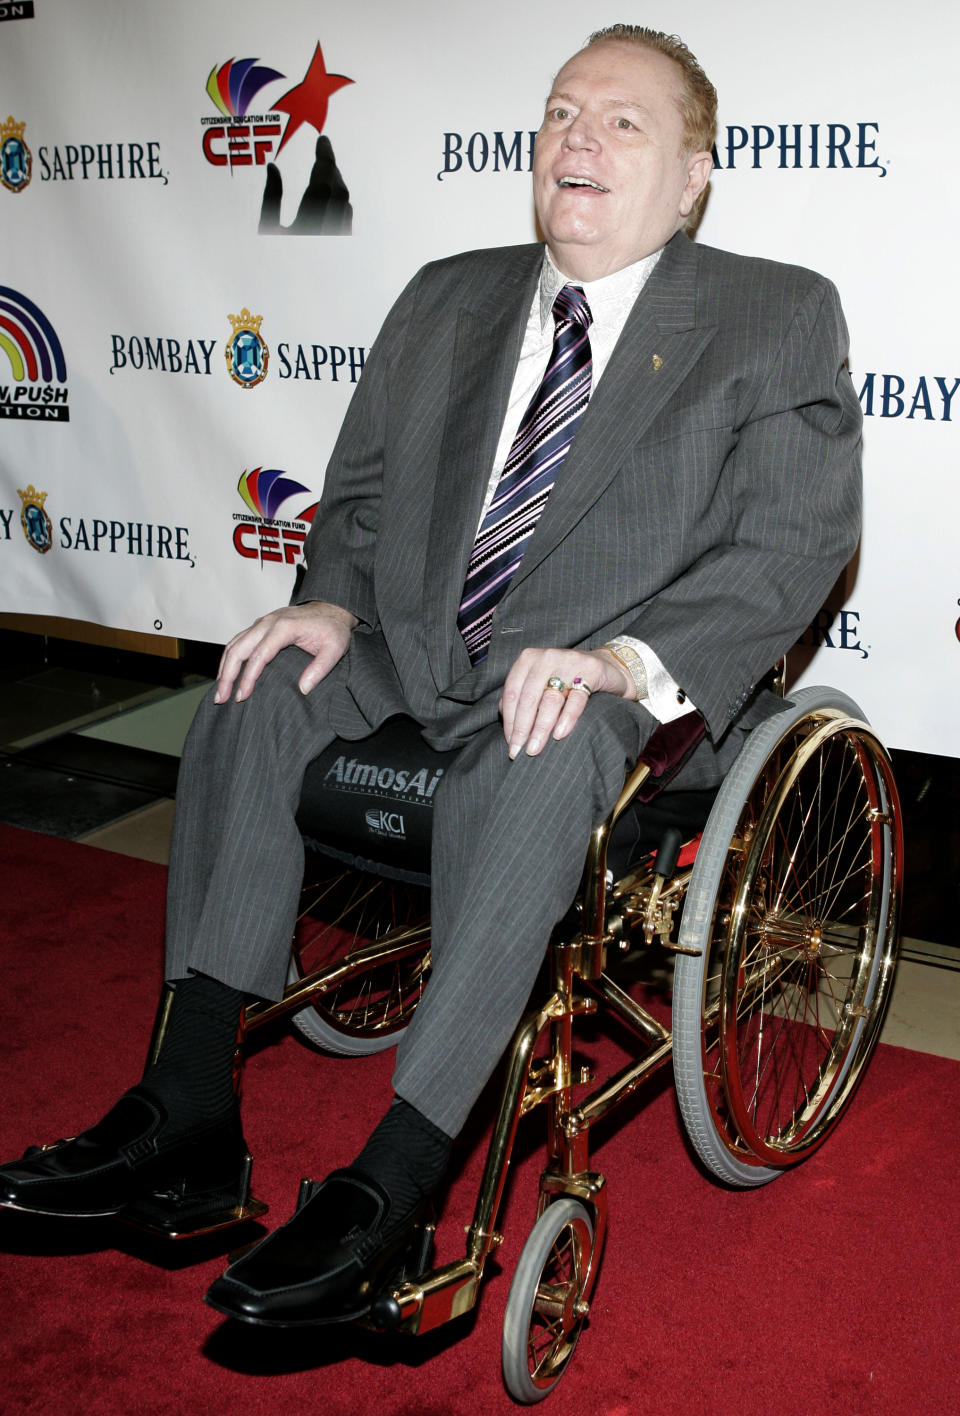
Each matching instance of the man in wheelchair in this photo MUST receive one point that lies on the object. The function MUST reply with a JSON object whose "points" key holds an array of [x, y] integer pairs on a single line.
{"points": [[582, 488]]}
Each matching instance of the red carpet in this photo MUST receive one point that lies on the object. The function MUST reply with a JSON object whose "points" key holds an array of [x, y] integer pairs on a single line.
{"points": [[832, 1290]]}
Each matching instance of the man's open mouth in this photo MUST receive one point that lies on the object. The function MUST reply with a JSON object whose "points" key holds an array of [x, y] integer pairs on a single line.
{"points": [[581, 182]]}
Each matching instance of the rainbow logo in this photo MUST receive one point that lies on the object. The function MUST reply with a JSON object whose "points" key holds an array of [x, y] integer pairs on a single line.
{"points": [[235, 85], [29, 340], [265, 489]]}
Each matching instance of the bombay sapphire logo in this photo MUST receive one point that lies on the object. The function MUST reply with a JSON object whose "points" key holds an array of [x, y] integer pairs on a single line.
{"points": [[836, 629], [16, 162], [34, 519], [248, 357]]}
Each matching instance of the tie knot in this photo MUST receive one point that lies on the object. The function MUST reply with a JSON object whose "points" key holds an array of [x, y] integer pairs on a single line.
{"points": [[571, 304]]}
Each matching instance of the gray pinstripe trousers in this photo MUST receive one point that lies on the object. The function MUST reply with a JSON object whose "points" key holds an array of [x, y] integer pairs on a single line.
{"points": [[509, 840]]}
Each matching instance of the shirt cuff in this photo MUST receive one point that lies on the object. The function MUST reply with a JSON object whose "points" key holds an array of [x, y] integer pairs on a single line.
{"points": [[665, 698]]}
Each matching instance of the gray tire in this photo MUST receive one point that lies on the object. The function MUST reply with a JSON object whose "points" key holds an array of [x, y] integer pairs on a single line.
{"points": [[542, 1324], [793, 905]]}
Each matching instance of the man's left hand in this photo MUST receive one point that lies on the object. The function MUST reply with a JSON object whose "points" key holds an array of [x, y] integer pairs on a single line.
{"points": [[533, 712]]}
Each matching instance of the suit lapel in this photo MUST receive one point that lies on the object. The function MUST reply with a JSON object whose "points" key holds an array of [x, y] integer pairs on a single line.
{"points": [[658, 347], [489, 336]]}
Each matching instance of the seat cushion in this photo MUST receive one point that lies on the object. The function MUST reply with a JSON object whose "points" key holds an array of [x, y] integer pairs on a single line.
{"points": [[370, 805]]}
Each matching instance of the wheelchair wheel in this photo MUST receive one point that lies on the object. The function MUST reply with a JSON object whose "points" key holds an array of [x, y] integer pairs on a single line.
{"points": [[794, 903], [545, 1309], [376, 934]]}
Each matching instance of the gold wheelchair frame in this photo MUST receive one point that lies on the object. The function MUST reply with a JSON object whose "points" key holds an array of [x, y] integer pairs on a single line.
{"points": [[785, 945]]}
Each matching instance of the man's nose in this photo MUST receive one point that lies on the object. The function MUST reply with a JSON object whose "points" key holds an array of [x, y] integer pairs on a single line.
{"points": [[582, 133]]}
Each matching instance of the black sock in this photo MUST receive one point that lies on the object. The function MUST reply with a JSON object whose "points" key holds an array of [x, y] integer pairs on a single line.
{"points": [[193, 1075], [408, 1155]]}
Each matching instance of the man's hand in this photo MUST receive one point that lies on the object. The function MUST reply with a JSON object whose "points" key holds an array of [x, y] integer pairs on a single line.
{"points": [[533, 713], [320, 629]]}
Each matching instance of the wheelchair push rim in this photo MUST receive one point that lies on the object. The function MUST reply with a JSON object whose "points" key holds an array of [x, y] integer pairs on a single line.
{"points": [[800, 948]]}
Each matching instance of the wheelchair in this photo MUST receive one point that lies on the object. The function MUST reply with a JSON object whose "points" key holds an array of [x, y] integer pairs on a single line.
{"points": [[778, 895]]}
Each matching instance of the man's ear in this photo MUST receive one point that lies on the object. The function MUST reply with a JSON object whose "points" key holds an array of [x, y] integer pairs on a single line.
{"points": [[699, 167]]}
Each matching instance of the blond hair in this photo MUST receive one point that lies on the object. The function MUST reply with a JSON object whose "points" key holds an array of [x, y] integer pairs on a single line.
{"points": [[698, 105]]}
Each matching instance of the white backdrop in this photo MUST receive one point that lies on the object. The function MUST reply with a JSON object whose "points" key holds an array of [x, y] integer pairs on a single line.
{"points": [[133, 242]]}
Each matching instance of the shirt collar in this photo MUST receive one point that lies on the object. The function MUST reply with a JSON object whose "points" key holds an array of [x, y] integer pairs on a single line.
{"points": [[606, 296]]}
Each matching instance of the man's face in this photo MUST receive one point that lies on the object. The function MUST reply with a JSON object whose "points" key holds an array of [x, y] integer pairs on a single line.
{"points": [[611, 178]]}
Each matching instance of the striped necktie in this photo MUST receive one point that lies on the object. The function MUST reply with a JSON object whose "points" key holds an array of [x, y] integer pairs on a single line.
{"points": [[545, 433]]}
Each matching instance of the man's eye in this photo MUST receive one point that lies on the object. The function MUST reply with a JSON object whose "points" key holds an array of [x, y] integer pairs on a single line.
{"points": [[624, 123], [560, 113]]}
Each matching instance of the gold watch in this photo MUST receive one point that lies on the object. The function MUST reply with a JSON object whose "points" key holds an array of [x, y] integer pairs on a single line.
{"points": [[625, 654]]}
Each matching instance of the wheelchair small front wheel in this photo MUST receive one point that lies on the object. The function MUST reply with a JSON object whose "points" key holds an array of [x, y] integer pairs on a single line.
{"points": [[793, 903], [547, 1307]]}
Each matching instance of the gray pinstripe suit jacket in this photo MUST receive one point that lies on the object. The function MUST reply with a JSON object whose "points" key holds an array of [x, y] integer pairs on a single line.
{"points": [[709, 500]]}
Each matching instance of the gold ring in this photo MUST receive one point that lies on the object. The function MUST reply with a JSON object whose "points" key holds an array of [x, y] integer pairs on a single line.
{"points": [[582, 685], [557, 684]]}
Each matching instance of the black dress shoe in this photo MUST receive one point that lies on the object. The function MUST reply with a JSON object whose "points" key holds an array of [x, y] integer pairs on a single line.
{"points": [[328, 1263], [126, 1161]]}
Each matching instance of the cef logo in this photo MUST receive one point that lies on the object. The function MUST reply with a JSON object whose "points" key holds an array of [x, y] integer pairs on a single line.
{"points": [[36, 362], [238, 138], [260, 534], [247, 355], [16, 162]]}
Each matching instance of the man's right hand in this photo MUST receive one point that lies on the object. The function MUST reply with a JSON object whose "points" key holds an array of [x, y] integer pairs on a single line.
{"points": [[318, 628]]}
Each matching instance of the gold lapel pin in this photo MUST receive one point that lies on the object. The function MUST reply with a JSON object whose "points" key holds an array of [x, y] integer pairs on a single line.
{"points": [[657, 363]]}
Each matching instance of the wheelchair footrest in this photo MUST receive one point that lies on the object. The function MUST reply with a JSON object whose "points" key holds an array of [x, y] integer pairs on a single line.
{"points": [[385, 1312], [174, 1216]]}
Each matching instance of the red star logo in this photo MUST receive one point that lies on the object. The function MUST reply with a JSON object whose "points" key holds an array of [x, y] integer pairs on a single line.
{"points": [[308, 101]]}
